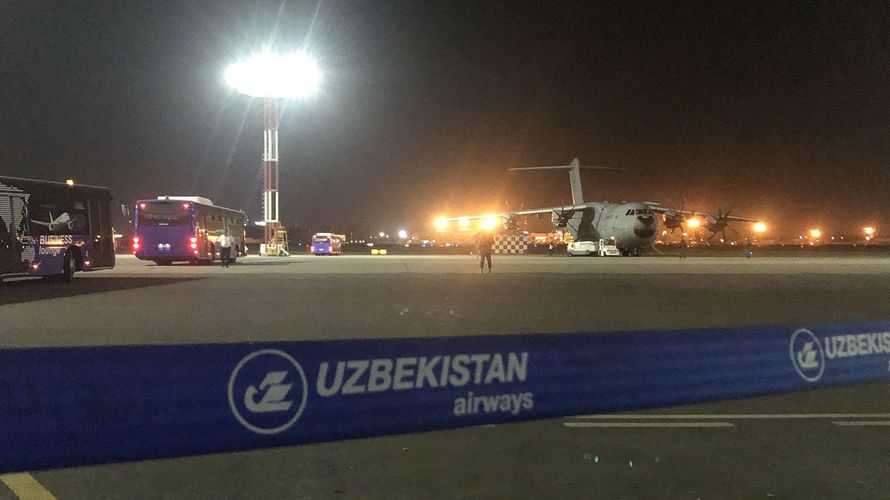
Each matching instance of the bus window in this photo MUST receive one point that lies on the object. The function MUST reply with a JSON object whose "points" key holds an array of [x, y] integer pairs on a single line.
{"points": [[162, 214], [59, 218]]}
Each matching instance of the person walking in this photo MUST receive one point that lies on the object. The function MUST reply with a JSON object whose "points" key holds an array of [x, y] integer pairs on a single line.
{"points": [[683, 246], [484, 245], [225, 247]]}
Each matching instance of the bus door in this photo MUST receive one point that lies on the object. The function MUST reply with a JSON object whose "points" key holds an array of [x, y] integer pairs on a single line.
{"points": [[13, 212], [102, 252]]}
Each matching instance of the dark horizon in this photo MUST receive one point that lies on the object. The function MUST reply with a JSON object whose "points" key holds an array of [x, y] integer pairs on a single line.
{"points": [[779, 111]]}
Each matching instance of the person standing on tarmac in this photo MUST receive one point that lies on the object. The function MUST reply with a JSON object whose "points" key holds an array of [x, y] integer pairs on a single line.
{"points": [[484, 245], [682, 248], [749, 250], [225, 245]]}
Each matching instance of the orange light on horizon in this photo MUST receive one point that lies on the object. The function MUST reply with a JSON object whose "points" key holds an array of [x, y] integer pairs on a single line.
{"points": [[463, 223], [759, 227], [693, 223], [815, 233], [869, 231], [441, 223]]}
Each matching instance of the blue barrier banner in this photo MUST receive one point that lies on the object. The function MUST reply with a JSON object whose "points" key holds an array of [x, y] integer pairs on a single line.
{"points": [[89, 405]]}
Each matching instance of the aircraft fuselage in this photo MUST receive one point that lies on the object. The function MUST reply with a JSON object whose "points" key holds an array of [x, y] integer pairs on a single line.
{"points": [[632, 226]]}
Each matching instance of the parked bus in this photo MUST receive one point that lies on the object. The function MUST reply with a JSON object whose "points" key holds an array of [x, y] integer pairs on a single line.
{"points": [[185, 229], [53, 228], [327, 244]]}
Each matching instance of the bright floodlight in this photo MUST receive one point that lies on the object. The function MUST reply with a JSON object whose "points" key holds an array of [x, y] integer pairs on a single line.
{"points": [[869, 231], [442, 223], [815, 233], [403, 234], [759, 227], [488, 222], [293, 75], [693, 223], [464, 223]]}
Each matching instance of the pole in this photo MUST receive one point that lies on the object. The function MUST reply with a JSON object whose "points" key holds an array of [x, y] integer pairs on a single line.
{"points": [[270, 168]]}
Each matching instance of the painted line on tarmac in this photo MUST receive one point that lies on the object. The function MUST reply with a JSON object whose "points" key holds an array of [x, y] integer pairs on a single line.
{"points": [[638, 425], [740, 416], [869, 423], [26, 487]]}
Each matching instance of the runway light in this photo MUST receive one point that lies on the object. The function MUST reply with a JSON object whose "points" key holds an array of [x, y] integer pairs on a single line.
{"points": [[693, 223], [869, 231], [442, 223], [815, 233], [759, 227]]}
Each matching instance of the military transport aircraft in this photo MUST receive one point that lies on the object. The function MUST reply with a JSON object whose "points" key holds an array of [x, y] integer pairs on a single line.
{"points": [[631, 226]]}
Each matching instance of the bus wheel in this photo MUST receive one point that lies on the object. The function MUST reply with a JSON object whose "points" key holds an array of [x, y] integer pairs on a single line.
{"points": [[70, 267]]}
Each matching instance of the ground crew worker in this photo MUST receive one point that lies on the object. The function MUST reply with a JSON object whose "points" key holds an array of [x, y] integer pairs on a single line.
{"points": [[749, 251], [485, 244], [225, 245], [550, 249], [682, 248]]}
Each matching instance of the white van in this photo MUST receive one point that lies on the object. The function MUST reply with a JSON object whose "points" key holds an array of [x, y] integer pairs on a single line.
{"points": [[599, 248]]}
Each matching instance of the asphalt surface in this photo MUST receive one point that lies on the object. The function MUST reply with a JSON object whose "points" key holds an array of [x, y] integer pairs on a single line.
{"points": [[817, 444]]}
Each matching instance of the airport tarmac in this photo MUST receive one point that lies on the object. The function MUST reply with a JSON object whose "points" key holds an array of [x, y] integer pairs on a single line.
{"points": [[828, 443], [308, 297]]}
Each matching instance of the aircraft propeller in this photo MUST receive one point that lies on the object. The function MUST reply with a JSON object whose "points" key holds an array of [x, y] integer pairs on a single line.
{"points": [[563, 217], [510, 222], [719, 223], [676, 220]]}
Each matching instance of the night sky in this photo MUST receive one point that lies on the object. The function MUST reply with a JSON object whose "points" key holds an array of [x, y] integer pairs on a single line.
{"points": [[779, 111]]}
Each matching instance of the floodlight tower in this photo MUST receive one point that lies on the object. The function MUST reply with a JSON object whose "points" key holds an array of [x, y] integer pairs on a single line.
{"points": [[273, 77], [271, 173]]}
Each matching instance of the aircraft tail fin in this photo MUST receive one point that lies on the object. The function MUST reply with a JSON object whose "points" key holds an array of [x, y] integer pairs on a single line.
{"points": [[574, 169]]}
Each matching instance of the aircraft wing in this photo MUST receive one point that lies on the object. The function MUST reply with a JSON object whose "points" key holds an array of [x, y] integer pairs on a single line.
{"points": [[736, 218], [658, 208], [513, 213]]}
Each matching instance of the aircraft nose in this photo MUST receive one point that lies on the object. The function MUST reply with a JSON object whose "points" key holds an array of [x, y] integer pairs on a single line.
{"points": [[645, 226]]}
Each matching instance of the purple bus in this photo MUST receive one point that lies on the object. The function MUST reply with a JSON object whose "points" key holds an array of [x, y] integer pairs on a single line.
{"points": [[326, 244], [185, 229], [53, 229]]}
